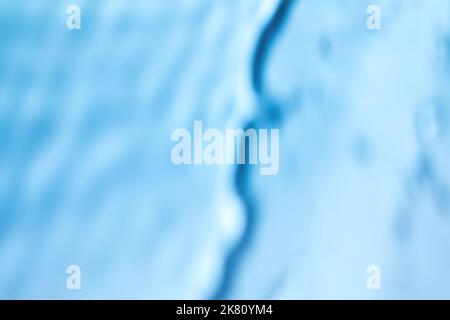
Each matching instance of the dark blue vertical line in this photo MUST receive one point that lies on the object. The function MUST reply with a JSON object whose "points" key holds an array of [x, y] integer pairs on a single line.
{"points": [[265, 43], [261, 53]]}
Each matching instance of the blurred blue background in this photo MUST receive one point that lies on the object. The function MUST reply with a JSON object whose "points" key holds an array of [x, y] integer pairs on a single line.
{"points": [[85, 171]]}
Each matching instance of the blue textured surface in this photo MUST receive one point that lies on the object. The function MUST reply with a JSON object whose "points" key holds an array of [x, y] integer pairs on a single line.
{"points": [[85, 170]]}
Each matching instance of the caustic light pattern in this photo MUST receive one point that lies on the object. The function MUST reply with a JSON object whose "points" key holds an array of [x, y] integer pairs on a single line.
{"points": [[92, 206]]}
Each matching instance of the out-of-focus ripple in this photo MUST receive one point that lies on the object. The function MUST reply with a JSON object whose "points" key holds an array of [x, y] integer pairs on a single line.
{"points": [[85, 170]]}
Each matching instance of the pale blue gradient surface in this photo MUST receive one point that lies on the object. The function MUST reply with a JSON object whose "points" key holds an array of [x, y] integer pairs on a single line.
{"points": [[85, 170]]}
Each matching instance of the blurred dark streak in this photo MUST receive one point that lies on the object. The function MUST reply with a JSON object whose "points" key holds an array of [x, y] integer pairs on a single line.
{"points": [[266, 114], [265, 42]]}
